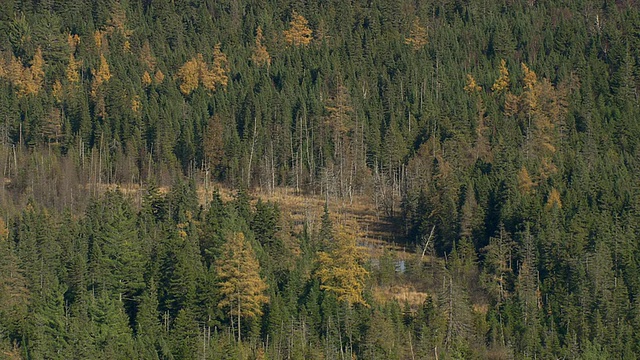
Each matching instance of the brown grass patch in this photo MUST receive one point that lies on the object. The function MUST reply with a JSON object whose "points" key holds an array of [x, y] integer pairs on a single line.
{"points": [[401, 293]]}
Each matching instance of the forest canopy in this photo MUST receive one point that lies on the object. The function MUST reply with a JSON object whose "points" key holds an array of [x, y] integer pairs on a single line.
{"points": [[496, 144]]}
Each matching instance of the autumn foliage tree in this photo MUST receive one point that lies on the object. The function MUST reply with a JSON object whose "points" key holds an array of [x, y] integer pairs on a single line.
{"points": [[417, 36], [100, 76], [340, 269], [241, 286], [71, 71], [196, 71], [260, 55], [26, 80], [299, 33], [502, 82]]}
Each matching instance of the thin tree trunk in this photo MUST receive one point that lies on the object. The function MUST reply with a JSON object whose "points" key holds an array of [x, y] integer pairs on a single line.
{"points": [[253, 144]]}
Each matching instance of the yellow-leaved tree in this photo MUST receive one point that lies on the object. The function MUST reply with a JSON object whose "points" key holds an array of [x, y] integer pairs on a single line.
{"points": [[101, 76], [502, 82], [37, 69], [260, 55], [554, 199], [241, 286], [73, 41], [340, 269], [146, 79], [525, 184], [196, 71], [472, 86], [26, 80], [417, 36], [71, 72], [189, 75], [158, 77], [57, 91], [299, 32], [217, 74]]}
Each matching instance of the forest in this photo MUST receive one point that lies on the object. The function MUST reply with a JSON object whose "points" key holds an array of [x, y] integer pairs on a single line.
{"points": [[494, 146]]}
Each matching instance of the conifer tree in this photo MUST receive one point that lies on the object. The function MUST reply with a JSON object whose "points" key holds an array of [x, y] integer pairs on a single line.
{"points": [[525, 184], [100, 76], [260, 55], [418, 36], [299, 33], [472, 86], [553, 199], [502, 82], [189, 76], [146, 79], [340, 271], [241, 287]]}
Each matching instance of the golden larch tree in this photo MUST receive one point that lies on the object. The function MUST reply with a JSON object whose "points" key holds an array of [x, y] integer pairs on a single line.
{"points": [[4, 230], [37, 68], [158, 77], [241, 286], [101, 76], [554, 199], [196, 71], [189, 75], [299, 32], [220, 66], [260, 55], [71, 72], [525, 184], [207, 76], [218, 72], [146, 79], [417, 35], [502, 82], [136, 104], [100, 40], [15, 73], [57, 92], [511, 104], [472, 86], [26, 80], [340, 269], [73, 41]]}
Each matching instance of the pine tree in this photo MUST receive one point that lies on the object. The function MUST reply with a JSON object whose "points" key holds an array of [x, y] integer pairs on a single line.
{"points": [[14, 293], [213, 143], [150, 340], [241, 286], [116, 259]]}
